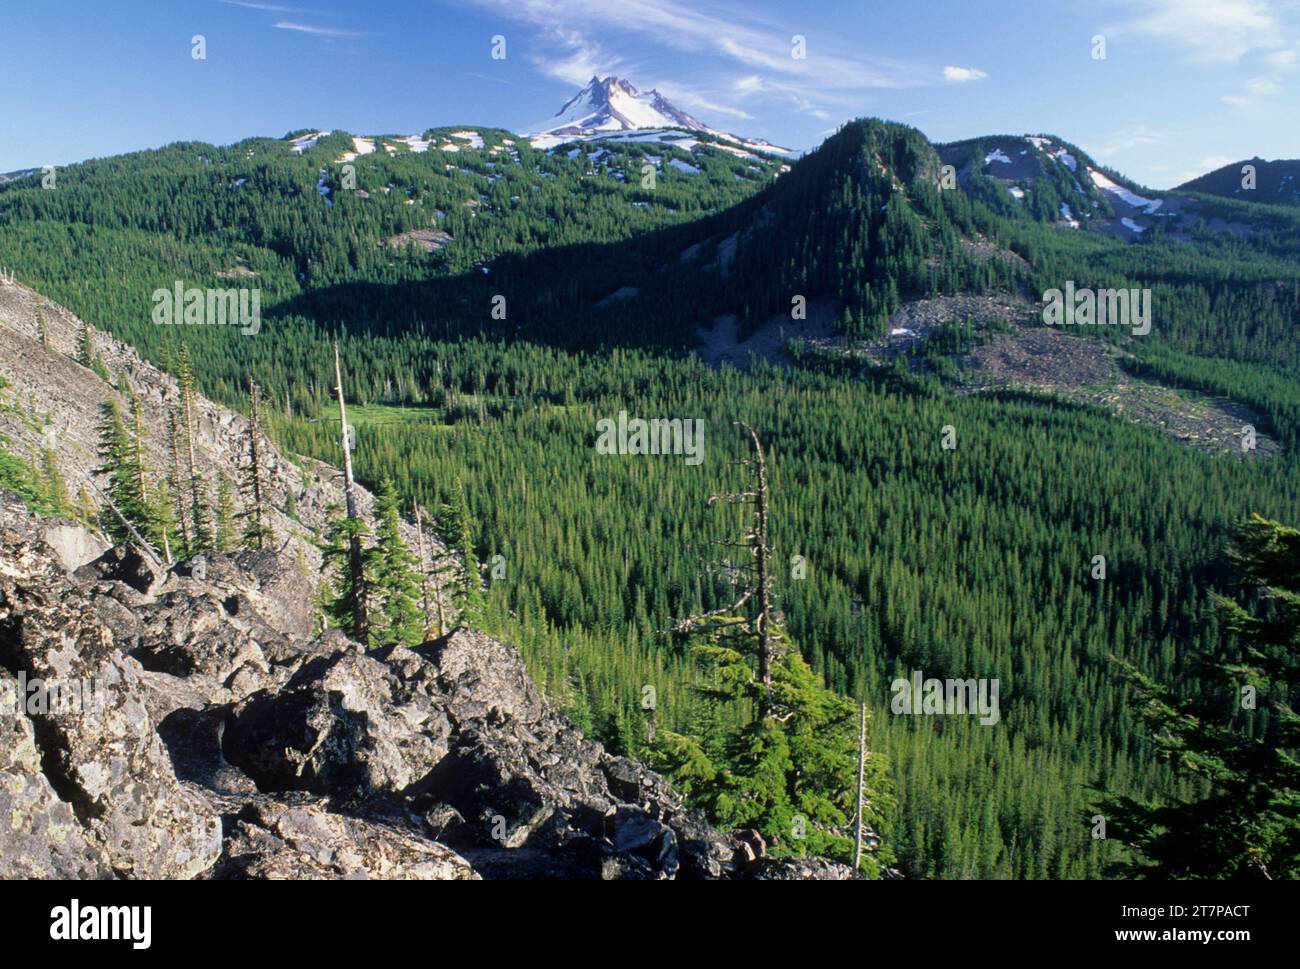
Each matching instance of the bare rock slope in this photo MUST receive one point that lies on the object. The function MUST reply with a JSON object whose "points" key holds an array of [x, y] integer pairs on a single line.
{"points": [[221, 740], [53, 402]]}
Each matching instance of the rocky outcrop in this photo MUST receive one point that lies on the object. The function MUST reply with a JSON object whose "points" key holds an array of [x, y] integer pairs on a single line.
{"points": [[99, 751], [225, 741], [52, 403]]}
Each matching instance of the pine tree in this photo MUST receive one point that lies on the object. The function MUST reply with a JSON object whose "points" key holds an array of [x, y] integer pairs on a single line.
{"points": [[1245, 821], [345, 594], [154, 513], [162, 520], [456, 529], [428, 575], [55, 485], [751, 614], [395, 585], [791, 769], [176, 486], [579, 709], [85, 508], [88, 356], [130, 513], [791, 774], [224, 518], [354, 601], [116, 453], [201, 533], [85, 346], [257, 518]]}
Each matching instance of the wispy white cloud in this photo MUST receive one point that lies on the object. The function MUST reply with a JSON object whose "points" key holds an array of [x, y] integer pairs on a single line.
{"points": [[1256, 90], [1125, 140], [268, 7], [1211, 31], [573, 57], [1283, 60], [750, 86], [1206, 165], [735, 39], [488, 77], [317, 30], [697, 100], [1215, 162], [1259, 37], [963, 74]]}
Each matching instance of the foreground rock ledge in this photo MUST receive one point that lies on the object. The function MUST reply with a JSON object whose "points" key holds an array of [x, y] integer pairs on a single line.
{"points": [[225, 742]]}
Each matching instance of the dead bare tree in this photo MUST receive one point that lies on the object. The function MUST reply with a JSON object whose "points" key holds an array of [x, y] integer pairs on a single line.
{"points": [[139, 539], [356, 604], [862, 770], [419, 543], [752, 610]]}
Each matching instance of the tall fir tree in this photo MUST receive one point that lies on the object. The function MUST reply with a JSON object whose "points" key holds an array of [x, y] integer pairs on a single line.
{"points": [[257, 517], [201, 531], [346, 592], [224, 517], [85, 346], [397, 617], [176, 485], [1237, 743], [790, 768], [456, 528], [155, 520], [116, 455], [56, 486]]}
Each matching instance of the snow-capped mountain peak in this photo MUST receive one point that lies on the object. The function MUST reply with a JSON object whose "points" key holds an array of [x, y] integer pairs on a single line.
{"points": [[610, 105], [613, 104]]}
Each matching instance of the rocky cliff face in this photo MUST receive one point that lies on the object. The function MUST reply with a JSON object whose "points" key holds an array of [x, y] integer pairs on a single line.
{"points": [[53, 403], [186, 724]]}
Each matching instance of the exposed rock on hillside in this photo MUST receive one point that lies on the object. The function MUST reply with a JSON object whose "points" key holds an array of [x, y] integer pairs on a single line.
{"points": [[53, 402], [223, 741]]}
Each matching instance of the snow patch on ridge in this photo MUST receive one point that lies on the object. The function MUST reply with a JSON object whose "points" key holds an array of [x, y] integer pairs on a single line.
{"points": [[1128, 197], [304, 142]]}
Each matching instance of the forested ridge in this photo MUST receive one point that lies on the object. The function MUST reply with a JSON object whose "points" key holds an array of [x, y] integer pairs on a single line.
{"points": [[973, 561]]}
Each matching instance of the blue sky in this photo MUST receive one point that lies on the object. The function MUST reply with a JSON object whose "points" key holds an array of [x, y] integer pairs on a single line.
{"points": [[1186, 85]]}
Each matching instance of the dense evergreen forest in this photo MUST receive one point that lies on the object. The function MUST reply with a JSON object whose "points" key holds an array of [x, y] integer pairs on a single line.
{"points": [[894, 552]]}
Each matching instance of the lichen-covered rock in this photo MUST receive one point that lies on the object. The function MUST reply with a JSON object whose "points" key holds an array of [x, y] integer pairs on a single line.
{"points": [[40, 837], [99, 749], [279, 839]]}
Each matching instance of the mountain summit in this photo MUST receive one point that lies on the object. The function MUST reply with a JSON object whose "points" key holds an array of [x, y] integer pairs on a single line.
{"points": [[611, 105], [1251, 180]]}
